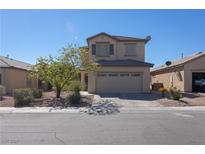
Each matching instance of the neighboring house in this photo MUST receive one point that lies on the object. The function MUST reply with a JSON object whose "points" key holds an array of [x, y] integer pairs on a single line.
{"points": [[14, 74], [187, 74], [122, 65]]}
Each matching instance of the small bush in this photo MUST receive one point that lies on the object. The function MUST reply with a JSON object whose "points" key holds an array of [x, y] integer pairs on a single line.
{"points": [[23, 97], [75, 86], [75, 98], [163, 91], [2, 91], [37, 93], [174, 93]]}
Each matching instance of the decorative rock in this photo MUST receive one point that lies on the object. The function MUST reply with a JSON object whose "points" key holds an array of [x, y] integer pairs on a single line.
{"points": [[103, 107]]}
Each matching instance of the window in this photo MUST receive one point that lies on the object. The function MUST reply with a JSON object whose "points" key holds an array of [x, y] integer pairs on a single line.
{"points": [[134, 74], [102, 74], [93, 49], [113, 74], [111, 49], [130, 49], [124, 74], [102, 49]]}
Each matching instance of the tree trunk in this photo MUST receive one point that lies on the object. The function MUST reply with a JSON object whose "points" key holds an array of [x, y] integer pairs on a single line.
{"points": [[58, 92]]}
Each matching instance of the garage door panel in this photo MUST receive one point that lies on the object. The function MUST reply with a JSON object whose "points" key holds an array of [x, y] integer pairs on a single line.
{"points": [[119, 82]]}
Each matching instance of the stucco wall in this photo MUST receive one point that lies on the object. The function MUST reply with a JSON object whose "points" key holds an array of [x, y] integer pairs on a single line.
{"points": [[16, 78], [139, 51], [145, 71], [197, 65], [102, 38], [169, 78], [119, 49]]}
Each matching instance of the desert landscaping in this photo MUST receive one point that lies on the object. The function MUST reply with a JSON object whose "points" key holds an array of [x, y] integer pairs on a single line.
{"points": [[48, 99]]}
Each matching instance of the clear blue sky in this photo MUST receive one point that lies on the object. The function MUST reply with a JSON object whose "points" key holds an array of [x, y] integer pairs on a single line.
{"points": [[28, 34]]}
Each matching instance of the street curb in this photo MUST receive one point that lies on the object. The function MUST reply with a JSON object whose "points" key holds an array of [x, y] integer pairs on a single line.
{"points": [[81, 110], [131, 110], [38, 110]]}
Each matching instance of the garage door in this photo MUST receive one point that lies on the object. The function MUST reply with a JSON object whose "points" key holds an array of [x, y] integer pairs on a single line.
{"points": [[198, 81], [118, 82]]}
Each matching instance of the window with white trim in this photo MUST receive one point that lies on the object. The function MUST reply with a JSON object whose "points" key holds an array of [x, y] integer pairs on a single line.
{"points": [[130, 49], [102, 49]]}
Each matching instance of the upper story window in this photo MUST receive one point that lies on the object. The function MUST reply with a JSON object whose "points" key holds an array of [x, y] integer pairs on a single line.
{"points": [[102, 49], [130, 49]]}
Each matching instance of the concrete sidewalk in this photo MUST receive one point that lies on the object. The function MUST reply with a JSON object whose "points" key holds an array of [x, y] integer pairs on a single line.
{"points": [[39, 110], [81, 110]]}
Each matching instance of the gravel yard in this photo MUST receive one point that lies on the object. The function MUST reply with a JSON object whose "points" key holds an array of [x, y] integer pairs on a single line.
{"points": [[188, 99], [119, 100], [7, 101], [48, 100], [171, 103]]}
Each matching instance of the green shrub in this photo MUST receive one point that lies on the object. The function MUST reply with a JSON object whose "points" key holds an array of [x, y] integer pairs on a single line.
{"points": [[23, 97], [75, 98], [75, 86], [2, 91], [37, 93], [174, 93]]}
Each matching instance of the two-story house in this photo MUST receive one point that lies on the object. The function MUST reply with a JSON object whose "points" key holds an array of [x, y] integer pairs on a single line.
{"points": [[122, 64]]}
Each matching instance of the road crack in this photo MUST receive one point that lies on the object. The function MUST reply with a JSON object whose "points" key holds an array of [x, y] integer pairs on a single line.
{"points": [[59, 139]]}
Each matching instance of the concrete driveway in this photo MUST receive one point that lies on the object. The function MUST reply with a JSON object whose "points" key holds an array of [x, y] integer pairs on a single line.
{"points": [[134, 100]]}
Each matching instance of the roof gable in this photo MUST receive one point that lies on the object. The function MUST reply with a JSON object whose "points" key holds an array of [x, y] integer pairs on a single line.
{"points": [[179, 62], [7, 62], [121, 38], [99, 34]]}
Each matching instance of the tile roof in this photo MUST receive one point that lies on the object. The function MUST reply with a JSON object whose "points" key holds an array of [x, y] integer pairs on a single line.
{"points": [[179, 62], [122, 38], [126, 62], [8, 62], [125, 38]]}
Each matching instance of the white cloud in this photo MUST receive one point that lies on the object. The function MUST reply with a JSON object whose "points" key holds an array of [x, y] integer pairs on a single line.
{"points": [[76, 37], [72, 30], [71, 27]]}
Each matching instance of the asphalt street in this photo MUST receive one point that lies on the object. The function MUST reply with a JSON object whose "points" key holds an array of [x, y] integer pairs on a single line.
{"points": [[138, 127]]}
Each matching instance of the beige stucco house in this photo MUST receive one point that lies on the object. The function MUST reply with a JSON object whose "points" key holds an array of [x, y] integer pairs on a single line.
{"points": [[122, 65], [14, 74], [187, 74]]}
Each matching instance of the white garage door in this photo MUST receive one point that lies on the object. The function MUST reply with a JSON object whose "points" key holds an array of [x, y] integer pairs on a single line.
{"points": [[119, 82]]}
